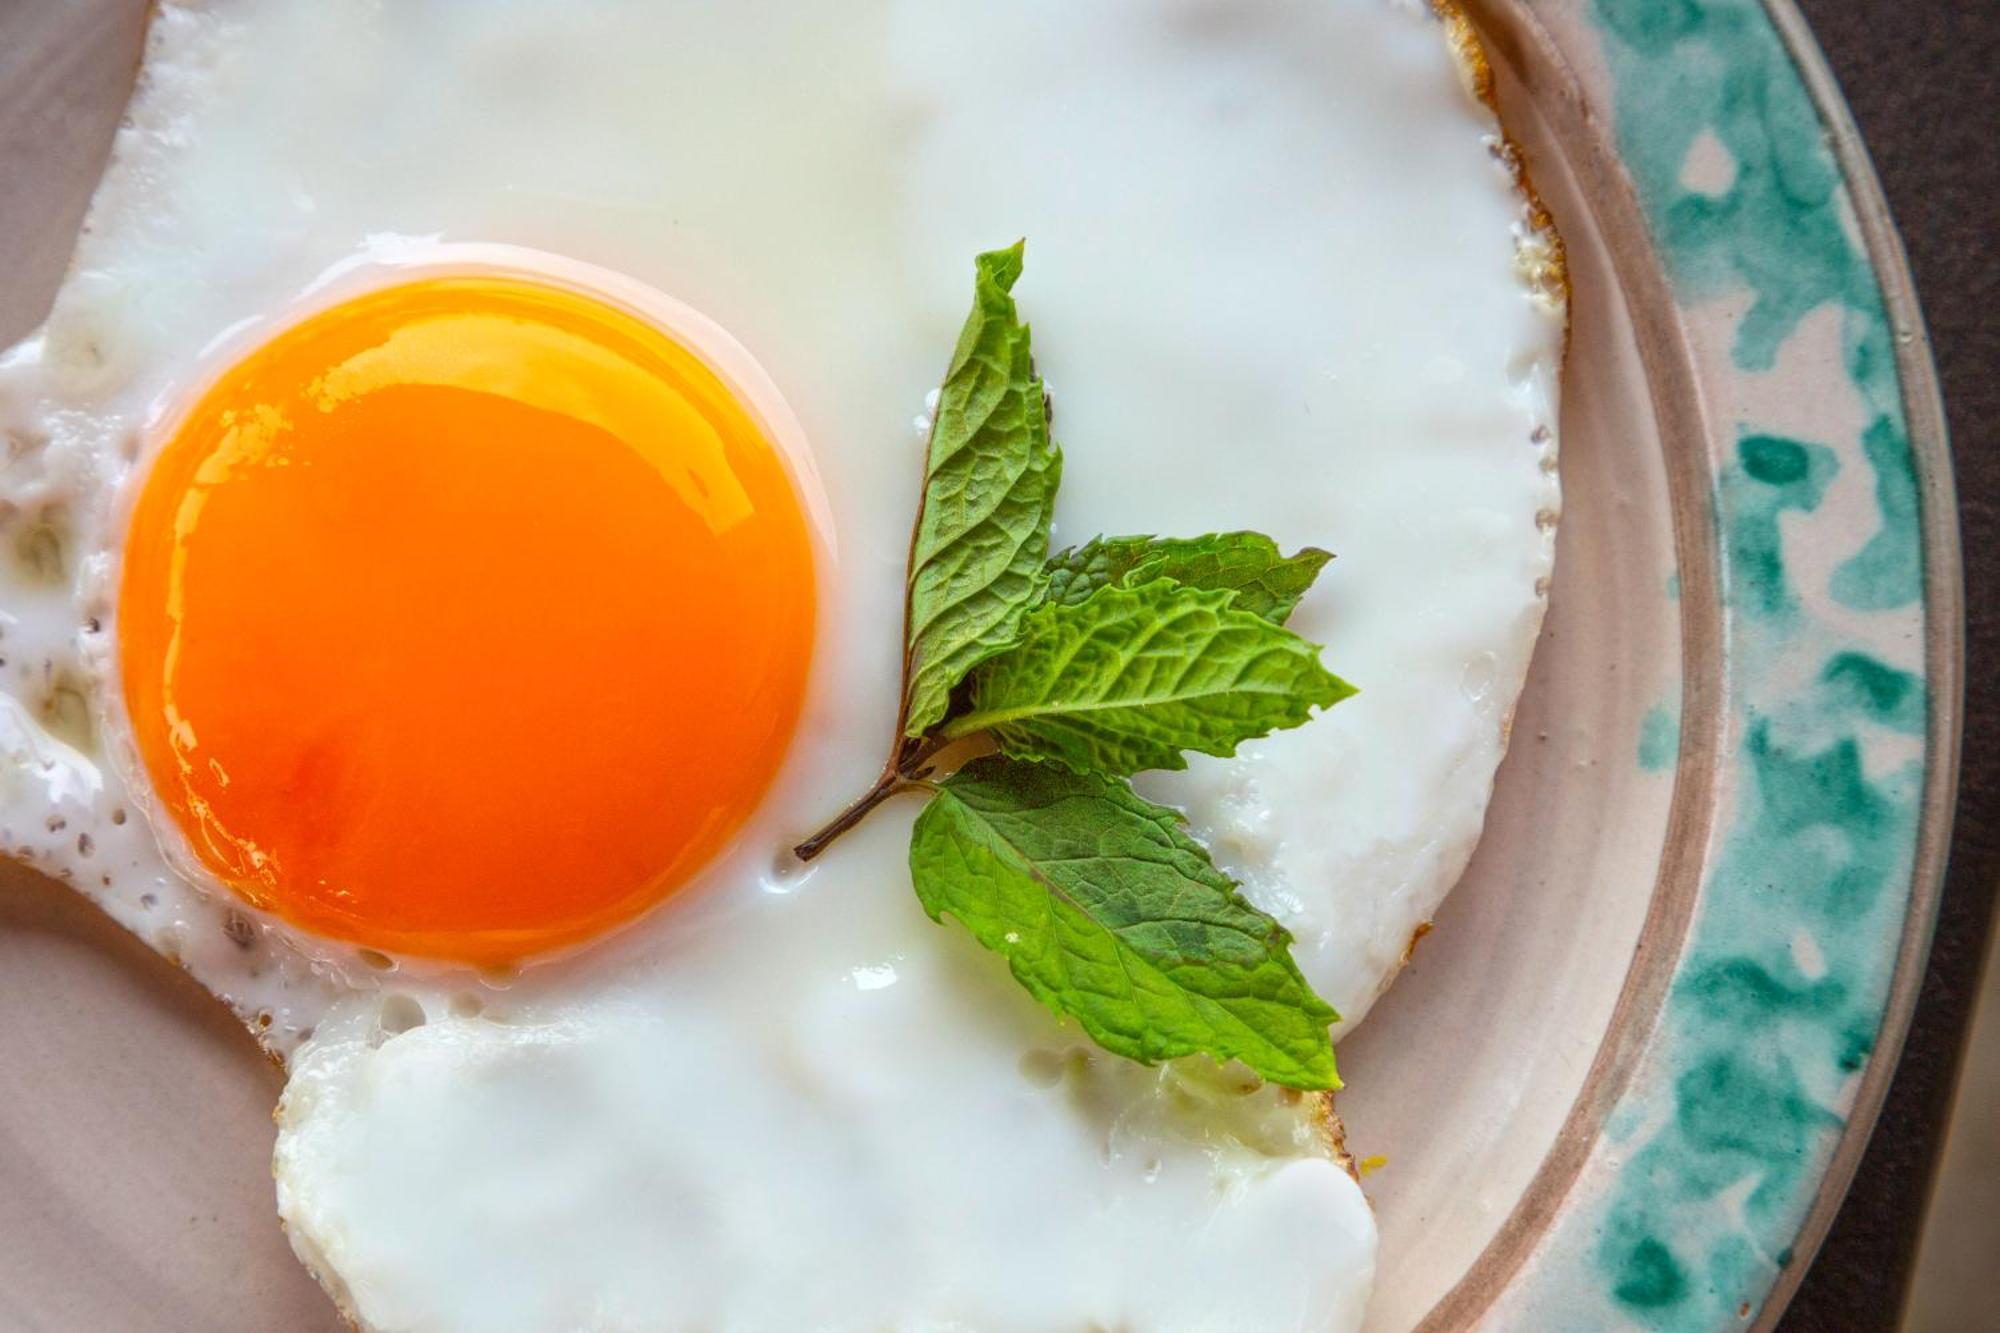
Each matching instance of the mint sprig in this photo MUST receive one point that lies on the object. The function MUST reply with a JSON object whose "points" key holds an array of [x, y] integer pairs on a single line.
{"points": [[1265, 582], [1110, 914], [1128, 678], [1083, 668], [982, 537]]}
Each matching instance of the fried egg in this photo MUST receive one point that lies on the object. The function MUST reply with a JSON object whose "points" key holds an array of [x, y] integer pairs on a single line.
{"points": [[457, 509]]}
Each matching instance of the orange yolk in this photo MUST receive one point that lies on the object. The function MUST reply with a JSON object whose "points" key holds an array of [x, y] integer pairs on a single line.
{"points": [[467, 619]]}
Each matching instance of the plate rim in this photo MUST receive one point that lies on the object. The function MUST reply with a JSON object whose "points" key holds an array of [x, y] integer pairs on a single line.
{"points": [[1922, 398], [1546, 1206]]}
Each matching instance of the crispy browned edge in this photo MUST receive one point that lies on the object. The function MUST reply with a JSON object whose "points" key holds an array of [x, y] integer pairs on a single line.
{"points": [[1551, 273], [1332, 1133], [1547, 274]]}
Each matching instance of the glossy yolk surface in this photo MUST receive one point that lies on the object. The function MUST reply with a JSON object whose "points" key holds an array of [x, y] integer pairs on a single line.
{"points": [[467, 619]]}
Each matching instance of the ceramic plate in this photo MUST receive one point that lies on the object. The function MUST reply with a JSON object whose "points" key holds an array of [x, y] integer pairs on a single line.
{"points": [[1628, 1077]]}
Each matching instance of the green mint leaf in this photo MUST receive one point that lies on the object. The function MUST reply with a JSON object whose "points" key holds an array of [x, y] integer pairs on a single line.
{"points": [[982, 533], [1128, 678], [1108, 913], [1249, 564]]}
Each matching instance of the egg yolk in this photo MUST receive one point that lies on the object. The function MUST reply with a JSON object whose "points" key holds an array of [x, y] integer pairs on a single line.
{"points": [[466, 620]]}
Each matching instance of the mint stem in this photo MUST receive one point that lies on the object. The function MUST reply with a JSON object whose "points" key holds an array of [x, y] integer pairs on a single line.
{"points": [[905, 771], [885, 786]]}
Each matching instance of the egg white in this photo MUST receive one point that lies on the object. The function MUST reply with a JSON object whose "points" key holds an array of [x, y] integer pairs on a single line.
{"points": [[1274, 273]]}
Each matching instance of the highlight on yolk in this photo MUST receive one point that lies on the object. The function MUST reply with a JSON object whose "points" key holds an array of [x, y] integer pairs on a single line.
{"points": [[466, 619]]}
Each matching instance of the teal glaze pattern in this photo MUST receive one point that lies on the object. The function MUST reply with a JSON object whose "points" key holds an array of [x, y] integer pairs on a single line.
{"points": [[1868, 688], [1659, 738], [1688, 68], [1771, 475], [1685, 1218]]}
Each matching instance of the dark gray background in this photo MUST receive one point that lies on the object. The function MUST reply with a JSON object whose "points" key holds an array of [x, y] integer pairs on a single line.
{"points": [[1923, 79]]}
